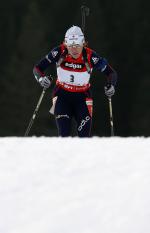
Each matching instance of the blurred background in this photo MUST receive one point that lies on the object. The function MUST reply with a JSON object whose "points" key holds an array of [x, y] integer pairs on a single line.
{"points": [[117, 30]]}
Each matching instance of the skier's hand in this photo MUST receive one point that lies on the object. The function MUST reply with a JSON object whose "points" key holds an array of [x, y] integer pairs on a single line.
{"points": [[109, 90], [45, 81]]}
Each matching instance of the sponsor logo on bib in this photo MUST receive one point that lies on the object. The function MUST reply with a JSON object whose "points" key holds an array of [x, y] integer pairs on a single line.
{"points": [[74, 66]]}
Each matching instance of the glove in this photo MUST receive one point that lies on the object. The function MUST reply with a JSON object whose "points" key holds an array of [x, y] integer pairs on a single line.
{"points": [[109, 90], [45, 81]]}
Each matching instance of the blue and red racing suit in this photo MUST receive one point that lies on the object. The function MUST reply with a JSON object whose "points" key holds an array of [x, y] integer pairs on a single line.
{"points": [[72, 95]]}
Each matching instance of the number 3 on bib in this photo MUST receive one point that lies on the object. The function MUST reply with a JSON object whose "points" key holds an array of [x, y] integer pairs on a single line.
{"points": [[71, 78]]}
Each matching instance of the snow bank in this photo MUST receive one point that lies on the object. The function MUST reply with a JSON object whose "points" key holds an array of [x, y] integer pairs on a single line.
{"points": [[72, 185]]}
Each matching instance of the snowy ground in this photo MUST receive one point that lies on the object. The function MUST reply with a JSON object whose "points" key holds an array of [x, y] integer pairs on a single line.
{"points": [[54, 185]]}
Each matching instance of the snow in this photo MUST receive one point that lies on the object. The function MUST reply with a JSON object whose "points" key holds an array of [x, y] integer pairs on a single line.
{"points": [[72, 185]]}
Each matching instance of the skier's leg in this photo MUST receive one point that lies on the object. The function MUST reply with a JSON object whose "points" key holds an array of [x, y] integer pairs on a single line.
{"points": [[84, 117], [63, 123], [63, 117]]}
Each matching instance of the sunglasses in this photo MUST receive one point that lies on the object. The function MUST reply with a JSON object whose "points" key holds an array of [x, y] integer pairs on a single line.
{"points": [[74, 46]]}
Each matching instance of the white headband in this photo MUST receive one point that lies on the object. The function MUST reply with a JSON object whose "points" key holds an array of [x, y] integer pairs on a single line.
{"points": [[74, 35]]}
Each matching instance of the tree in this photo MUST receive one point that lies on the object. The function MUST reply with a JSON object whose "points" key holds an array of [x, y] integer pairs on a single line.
{"points": [[20, 87]]}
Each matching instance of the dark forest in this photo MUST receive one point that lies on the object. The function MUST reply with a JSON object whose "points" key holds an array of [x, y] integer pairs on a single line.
{"points": [[117, 30]]}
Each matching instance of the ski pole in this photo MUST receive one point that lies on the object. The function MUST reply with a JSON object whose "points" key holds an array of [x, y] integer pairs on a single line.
{"points": [[84, 12], [35, 113], [111, 116]]}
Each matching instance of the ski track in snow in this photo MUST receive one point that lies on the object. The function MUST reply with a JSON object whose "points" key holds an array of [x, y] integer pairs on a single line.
{"points": [[74, 185]]}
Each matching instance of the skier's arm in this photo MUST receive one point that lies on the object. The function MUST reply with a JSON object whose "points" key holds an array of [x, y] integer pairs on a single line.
{"points": [[51, 58], [100, 63]]}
